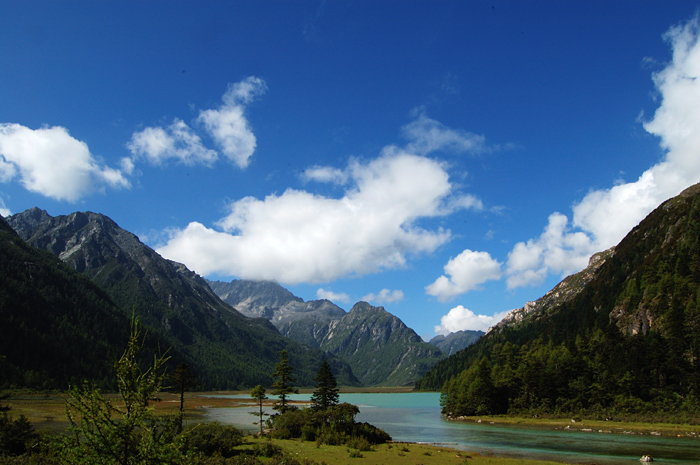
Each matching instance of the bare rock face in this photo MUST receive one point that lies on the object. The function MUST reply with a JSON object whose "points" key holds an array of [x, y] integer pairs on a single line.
{"points": [[305, 322]]}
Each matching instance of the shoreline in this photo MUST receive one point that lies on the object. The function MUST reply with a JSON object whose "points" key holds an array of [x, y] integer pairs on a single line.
{"points": [[592, 426]]}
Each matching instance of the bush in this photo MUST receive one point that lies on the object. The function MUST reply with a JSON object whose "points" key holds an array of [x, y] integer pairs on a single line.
{"points": [[267, 449], [16, 436], [214, 439], [371, 433], [289, 424], [361, 444]]}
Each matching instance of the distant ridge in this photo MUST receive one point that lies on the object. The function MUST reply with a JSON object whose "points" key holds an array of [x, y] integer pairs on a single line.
{"points": [[456, 341], [378, 346]]}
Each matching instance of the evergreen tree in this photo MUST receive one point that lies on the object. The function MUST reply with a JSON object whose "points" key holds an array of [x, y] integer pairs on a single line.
{"points": [[326, 393], [258, 393], [283, 384], [182, 379]]}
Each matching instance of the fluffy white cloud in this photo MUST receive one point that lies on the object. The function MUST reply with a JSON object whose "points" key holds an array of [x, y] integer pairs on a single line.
{"points": [[228, 125], [301, 237], [52, 163], [322, 293], [177, 141], [464, 273], [605, 216], [385, 296], [461, 319]]}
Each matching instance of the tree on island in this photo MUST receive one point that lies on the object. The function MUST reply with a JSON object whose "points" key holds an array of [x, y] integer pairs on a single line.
{"points": [[283, 384], [326, 393], [258, 393]]}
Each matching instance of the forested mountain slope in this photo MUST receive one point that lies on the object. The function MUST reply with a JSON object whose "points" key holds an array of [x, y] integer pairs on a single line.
{"points": [[225, 349], [379, 347], [57, 328], [628, 342]]}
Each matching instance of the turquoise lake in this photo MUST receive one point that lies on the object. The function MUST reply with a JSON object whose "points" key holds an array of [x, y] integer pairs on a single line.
{"points": [[415, 417]]}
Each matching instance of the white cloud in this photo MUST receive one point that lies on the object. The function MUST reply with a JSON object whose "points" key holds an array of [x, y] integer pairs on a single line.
{"points": [[325, 174], [385, 296], [604, 217], [558, 250], [462, 319], [427, 135], [465, 273], [52, 163], [228, 125], [4, 211], [322, 293], [302, 237], [177, 142]]}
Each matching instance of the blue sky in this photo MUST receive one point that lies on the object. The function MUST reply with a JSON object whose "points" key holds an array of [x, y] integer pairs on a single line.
{"points": [[447, 160]]}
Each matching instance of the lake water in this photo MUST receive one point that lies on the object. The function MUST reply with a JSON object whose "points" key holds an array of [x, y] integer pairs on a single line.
{"points": [[415, 417]]}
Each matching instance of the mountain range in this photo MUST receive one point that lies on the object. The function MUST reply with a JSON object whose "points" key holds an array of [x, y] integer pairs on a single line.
{"points": [[225, 349], [228, 348], [379, 347]]}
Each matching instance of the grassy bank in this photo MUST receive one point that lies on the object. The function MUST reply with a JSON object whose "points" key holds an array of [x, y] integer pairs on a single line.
{"points": [[623, 427], [387, 454]]}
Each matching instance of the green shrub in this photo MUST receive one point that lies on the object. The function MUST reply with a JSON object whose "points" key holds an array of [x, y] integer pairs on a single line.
{"points": [[267, 449], [16, 436], [214, 439], [359, 443]]}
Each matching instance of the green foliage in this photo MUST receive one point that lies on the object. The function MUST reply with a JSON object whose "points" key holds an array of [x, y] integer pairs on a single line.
{"points": [[282, 387], [326, 393], [127, 432], [214, 439], [181, 380], [334, 426], [16, 436], [258, 393]]}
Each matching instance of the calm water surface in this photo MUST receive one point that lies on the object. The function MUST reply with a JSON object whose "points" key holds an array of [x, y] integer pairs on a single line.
{"points": [[415, 417]]}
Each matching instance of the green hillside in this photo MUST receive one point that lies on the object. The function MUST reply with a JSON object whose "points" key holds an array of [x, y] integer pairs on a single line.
{"points": [[58, 328], [628, 342]]}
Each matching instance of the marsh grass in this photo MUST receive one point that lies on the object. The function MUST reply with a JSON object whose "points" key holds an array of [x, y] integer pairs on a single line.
{"points": [[387, 454]]}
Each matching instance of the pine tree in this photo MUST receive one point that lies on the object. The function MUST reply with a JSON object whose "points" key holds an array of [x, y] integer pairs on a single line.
{"points": [[258, 393], [283, 385], [182, 380], [326, 393]]}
